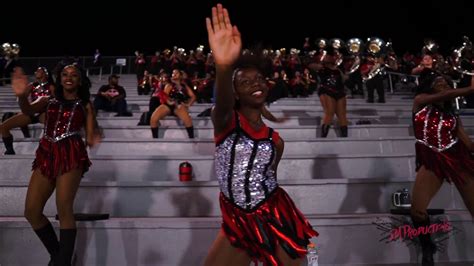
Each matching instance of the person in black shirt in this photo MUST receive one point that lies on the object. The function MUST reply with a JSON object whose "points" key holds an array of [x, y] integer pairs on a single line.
{"points": [[111, 98]]}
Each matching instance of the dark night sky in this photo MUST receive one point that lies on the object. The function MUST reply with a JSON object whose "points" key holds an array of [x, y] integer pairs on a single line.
{"points": [[122, 28]]}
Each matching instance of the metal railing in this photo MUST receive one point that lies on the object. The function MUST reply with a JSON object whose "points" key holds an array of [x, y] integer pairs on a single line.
{"points": [[30, 64], [3, 80], [90, 69], [403, 78], [460, 102]]}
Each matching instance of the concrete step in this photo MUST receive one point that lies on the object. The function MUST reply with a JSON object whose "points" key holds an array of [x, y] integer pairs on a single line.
{"points": [[286, 132], [125, 167], [207, 131], [199, 199], [144, 99], [274, 107], [148, 146], [292, 120], [282, 105], [186, 241], [288, 110]]}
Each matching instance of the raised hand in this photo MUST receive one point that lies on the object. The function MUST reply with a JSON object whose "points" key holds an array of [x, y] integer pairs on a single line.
{"points": [[224, 39], [19, 82]]}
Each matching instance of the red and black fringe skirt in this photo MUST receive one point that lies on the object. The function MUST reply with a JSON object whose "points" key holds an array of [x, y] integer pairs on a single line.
{"points": [[275, 222], [56, 158], [448, 164]]}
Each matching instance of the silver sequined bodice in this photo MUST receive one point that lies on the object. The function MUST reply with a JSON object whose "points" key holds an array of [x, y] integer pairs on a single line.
{"points": [[244, 169], [435, 128], [63, 120]]}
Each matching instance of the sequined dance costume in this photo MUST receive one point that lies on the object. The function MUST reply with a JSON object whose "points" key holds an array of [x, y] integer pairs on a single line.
{"points": [[257, 214], [61, 148], [438, 147], [39, 90], [331, 83]]}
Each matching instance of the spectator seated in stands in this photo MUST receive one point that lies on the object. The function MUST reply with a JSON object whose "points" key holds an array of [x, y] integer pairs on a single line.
{"points": [[111, 98]]}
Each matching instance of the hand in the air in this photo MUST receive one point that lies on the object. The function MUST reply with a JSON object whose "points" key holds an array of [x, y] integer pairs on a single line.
{"points": [[224, 39]]}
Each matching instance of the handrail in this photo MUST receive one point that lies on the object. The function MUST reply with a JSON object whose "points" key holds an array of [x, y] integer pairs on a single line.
{"points": [[390, 81], [92, 68]]}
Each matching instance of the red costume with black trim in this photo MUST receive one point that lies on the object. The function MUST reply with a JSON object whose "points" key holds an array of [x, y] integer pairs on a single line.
{"points": [[257, 214], [438, 147], [61, 149]]}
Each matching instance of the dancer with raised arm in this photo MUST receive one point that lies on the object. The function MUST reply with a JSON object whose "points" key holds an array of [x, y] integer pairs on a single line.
{"points": [[43, 86], [61, 158], [260, 221], [443, 150]]}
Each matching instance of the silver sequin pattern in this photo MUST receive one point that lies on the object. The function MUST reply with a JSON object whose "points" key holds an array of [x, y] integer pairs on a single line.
{"points": [[58, 125], [452, 139], [261, 175]]}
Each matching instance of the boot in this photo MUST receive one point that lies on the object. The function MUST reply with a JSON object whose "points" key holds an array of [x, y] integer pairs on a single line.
{"points": [[26, 132], [324, 130], [428, 248], [67, 240], [49, 239], [190, 131], [8, 142], [154, 132], [344, 133]]}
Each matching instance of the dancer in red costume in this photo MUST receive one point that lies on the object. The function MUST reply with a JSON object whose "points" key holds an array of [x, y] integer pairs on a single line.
{"points": [[176, 98], [443, 150], [61, 158], [43, 86], [260, 221]]}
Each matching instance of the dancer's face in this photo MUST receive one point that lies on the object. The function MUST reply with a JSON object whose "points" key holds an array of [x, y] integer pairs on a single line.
{"points": [[176, 75], [250, 87], [40, 74], [70, 78], [440, 84]]}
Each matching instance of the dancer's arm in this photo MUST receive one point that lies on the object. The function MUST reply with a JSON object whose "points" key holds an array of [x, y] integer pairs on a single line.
{"points": [[93, 135], [20, 88], [192, 96], [425, 98], [226, 44]]}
